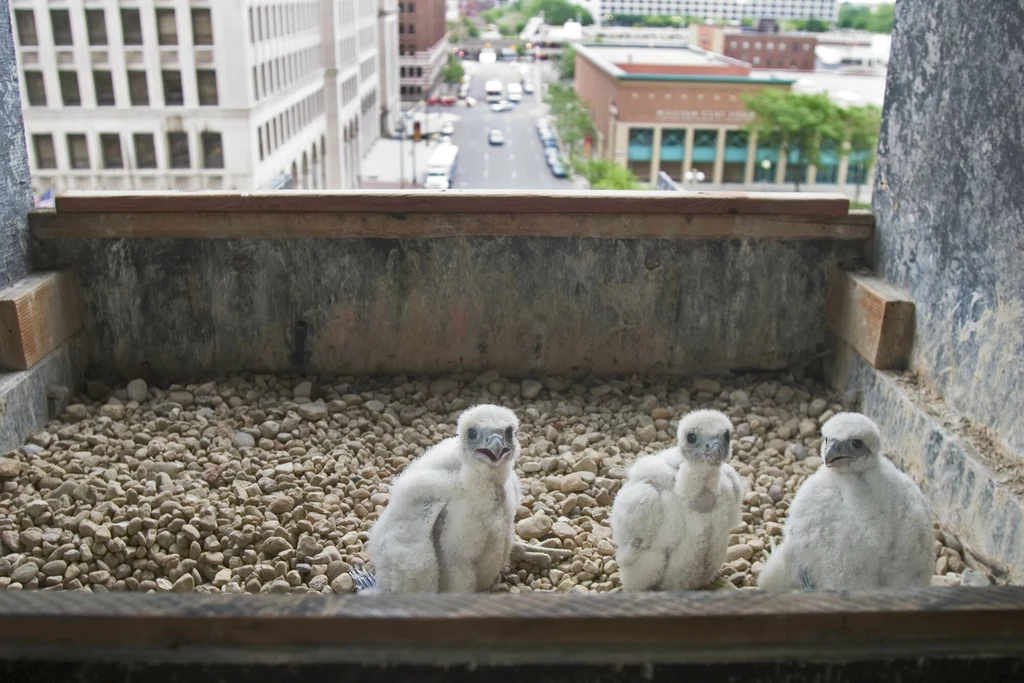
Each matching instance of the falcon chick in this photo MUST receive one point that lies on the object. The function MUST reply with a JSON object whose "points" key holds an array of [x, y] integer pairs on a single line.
{"points": [[450, 525], [857, 522], [671, 520]]}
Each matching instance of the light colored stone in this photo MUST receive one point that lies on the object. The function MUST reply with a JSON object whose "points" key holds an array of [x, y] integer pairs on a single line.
{"points": [[343, 583], [182, 398], [243, 440], [9, 468], [313, 411], [375, 406], [647, 433], [303, 390], [138, 390], [738, 552], [573, 483], [708, 385], [530, 389], [973, 578], [533, 527]]}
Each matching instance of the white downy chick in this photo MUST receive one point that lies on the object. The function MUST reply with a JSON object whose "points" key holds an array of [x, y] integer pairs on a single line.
{"points": [[857, 522], [450, 524], [672, 518]]}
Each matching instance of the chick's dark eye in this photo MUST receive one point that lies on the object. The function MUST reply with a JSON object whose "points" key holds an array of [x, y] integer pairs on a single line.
{"points": [[508, 433], [691, 438], [857, 443], [473, 434], [725, 437]]}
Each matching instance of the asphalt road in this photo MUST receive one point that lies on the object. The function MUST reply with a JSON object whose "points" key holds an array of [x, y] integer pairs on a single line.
{"points": [[519, 163]]}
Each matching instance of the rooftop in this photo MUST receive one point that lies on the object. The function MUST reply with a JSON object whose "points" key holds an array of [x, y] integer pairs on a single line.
{"points": [[642, 62]]}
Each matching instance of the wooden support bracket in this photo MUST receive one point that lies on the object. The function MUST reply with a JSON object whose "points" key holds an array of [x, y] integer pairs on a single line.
{"points": [[875, 318], [38, 314]]}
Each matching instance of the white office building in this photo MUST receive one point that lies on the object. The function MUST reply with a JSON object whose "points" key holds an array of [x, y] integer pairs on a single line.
{"points": [[733, 10], [197, 94]]}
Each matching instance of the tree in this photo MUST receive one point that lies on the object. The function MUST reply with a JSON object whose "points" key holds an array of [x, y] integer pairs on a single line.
{"points": [[878, 19], [557, 12], [572, 120], [605, 175], [795, 123], [453, 71], [567, 64], [860, 131]]}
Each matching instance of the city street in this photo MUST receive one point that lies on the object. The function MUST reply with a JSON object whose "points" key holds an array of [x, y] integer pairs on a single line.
{"points": [[519, 163]]}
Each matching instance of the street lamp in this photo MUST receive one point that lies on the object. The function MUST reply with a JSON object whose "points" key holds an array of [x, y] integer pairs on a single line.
{"points": [[766, 164], [694, 176]]}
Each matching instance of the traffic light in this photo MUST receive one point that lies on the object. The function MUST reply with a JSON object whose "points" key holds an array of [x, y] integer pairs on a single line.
{"points": [[417, 134]]}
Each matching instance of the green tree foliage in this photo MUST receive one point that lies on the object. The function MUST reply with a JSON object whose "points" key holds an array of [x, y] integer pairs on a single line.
{"points": [[471, 28], [801, 123], [811, 25], [571, 118], [875, 19], [794, 123], [556, 12], [605, 175], [453, 71], [653, 20], [567, 64]]}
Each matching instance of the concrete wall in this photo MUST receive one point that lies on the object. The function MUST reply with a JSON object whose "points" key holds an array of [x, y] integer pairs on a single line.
{"points": [[15, 190], [949, 201], [179, 308]]}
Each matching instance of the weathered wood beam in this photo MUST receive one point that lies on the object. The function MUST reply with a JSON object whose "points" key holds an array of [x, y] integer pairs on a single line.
{"points": [[38, 314], [875, 318], [50, 225], [698, 626], [460, 201]]}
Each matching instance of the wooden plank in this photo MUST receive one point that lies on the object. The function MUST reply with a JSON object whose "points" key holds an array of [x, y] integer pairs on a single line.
{"points": [[875, 318], [714, 625], [460, 201], [50, 225], [38, 314]]}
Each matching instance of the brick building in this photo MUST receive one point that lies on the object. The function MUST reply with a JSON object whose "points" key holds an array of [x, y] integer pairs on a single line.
{"points": [[681, 109], [422, 46], [764, 49]]}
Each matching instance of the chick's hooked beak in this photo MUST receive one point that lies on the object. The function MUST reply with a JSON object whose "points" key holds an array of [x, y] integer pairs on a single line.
{"points": [[495, 448], [715, 451], [832, 453]]}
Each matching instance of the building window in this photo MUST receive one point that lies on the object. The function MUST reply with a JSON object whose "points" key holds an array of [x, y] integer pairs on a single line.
{"points": [[166, 27], [110, 144], [46, 155], [177, 148], [61, 21], [104, 85], [757, 45], [412, 29], [145, 150], [131, 27], [173, 94], [807, 47], [78, 151], [705, 149], [207, 81], [69, 88], [213, 151], [26, 21], [412, 7], [746, 45], [757, 60], [202, 27], [138, 88], [828, 164], [401, 28], [640, 152], [96, 23], [771, 45], [672, 151], [735, 156], [35, 88]]}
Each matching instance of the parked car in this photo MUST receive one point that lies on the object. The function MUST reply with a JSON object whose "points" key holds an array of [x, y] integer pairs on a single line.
{"points": [[449, 101], [504, 105], [559, 170], [549, 140], [495, 137], [551, 155], [527, 88], [470, 101], [447, 128]]}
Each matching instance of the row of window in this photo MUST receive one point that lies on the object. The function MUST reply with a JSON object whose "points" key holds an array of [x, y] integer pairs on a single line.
{"points": [[409, 7], [96, 27], [349, 90], [806, 47], [411, 90], [274, 21], [367, 69], [276, 132], [144, 147], [407, 29], [410, 71], [284, 71], [138, 88]]}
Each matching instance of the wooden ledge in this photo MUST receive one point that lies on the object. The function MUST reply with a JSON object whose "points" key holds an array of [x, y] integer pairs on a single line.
{"points": [[682, 626], [461, 201], [51, 225]]}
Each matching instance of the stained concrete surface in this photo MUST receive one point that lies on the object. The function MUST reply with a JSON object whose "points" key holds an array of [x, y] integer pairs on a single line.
{"points": [[15, 189], [949, 204], [177, 309]]}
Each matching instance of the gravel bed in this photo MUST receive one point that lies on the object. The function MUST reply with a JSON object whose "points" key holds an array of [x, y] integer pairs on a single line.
{"points": [[262, 484]]}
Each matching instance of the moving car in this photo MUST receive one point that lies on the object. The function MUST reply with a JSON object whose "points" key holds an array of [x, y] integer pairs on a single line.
{"points": [[441, 167], [495, 137], [447, 128], [504, 105]]}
